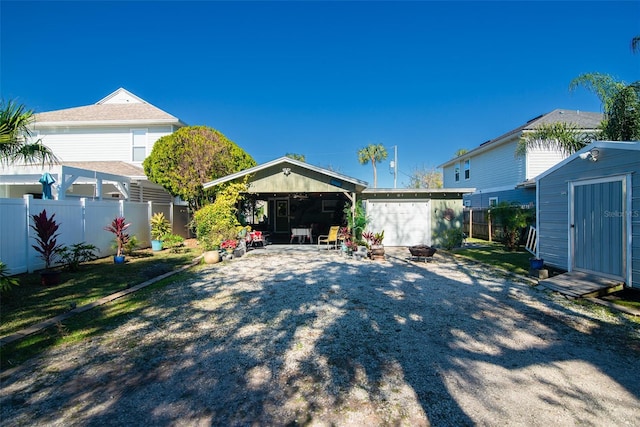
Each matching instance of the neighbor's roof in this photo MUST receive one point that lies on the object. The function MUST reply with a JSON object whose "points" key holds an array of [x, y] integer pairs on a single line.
{"points": [[581, 119], [120, 107], [284, 160], [115, 168]]}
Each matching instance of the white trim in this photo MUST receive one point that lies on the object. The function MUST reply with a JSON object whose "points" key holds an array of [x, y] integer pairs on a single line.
{"points": [[132, 132]]}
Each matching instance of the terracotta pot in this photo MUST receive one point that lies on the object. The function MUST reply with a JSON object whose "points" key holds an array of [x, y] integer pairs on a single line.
{"points": [[211, 257], [377, 253]]}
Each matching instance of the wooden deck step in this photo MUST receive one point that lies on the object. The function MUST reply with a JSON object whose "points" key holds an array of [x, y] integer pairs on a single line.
{"points": [[581, 285]]}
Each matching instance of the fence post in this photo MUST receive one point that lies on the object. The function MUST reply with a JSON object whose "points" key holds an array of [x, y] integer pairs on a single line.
{"points": [[171, 216], [83, 215], [27, 205], [489, 225], [149, 214], [121, 205], [470, 223]]}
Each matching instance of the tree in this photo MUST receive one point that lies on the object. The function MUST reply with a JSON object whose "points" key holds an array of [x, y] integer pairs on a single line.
{"points": [[620, 102], [565, 137], [183, 161], [374, 153], [15, 133], [460, 151], [296, 156], [425, 178]]}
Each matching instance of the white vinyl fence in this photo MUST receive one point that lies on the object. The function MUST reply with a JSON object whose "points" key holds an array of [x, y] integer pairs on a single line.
{"points": [[81, 220]]}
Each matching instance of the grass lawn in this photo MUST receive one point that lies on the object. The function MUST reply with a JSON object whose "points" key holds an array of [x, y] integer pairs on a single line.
{"points": [[30, 302], [493, 253]]}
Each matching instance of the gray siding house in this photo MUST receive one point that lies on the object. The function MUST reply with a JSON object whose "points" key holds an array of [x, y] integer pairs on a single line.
{"points": [[588, 212], [495, 172]]}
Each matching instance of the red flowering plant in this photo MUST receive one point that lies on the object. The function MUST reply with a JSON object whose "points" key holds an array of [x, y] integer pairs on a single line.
{"points": [[229, 244]]}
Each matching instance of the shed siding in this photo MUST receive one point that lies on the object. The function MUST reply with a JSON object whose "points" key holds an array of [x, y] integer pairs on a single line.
{"points": [[553, 208]]}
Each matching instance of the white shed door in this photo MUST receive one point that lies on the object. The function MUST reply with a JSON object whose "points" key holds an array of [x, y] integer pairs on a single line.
{"points": [[404, 223]]}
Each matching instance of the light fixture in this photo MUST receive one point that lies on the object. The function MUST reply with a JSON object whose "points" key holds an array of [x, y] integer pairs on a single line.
{"points": [[286, 171], [591, 155]]}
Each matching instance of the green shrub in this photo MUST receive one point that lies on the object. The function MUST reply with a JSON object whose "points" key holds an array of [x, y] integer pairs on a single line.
{"points": [[512, 218], [74, 255], [6, 281], [173, 242], [452, 238], [218, 221]]}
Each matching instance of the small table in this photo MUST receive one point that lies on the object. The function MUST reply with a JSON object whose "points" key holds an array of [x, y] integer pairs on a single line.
{"points": [[302, 234]]}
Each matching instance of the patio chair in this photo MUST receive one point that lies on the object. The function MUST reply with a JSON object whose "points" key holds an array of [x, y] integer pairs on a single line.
{"points": [[331, 238]]}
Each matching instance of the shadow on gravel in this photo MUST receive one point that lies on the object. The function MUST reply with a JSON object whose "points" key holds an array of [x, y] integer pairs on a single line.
{"points": [[316, 338]]}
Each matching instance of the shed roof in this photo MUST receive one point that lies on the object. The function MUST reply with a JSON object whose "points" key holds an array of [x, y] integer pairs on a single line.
{"points": [[283, 162], [613, 145]]}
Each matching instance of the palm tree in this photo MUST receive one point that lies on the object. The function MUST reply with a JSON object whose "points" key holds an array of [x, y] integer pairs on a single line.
{"points": [[374, 153], [564, 137], [14, 137], [620, 102]]}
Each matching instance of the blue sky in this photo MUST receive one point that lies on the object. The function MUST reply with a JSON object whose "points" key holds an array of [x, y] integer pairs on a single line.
{"points": [[323, 79]]}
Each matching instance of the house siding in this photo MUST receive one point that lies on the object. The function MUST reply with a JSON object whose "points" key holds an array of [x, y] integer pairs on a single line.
{"points": [[97, 144], [553, 204], [521, 196], [498, 167], [539, 160]]}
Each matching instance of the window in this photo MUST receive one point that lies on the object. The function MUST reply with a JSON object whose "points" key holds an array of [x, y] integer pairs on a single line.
{"points": [[139, 142], [493, 202], [467, 169], [457, 172]]}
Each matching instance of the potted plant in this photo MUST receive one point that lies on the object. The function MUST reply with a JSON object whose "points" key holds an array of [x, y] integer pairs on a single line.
{"points": [[229, 245], [376, 248], [118, 227], [46, 237], [160, 227]]}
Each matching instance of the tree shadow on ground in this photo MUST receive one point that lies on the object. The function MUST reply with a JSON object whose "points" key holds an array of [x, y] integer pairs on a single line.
{"points": [[314, 338]]}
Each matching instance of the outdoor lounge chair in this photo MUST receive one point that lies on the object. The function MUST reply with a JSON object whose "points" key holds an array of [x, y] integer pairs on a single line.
{"points": [[331, 238]]}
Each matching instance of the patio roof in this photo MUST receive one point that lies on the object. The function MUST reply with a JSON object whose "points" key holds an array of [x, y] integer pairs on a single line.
{"points": [[284, 166]]}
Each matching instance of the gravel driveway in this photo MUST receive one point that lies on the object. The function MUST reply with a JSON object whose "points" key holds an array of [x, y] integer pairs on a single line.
{"points": [[312, 338]]}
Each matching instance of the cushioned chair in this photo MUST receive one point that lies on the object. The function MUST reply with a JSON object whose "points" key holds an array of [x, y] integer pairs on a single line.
{"points": [[331, 238]]}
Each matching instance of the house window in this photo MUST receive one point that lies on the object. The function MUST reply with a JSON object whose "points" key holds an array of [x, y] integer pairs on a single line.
{"points": [[493, 202], [467, 169], [139, 142], [457, 172]]}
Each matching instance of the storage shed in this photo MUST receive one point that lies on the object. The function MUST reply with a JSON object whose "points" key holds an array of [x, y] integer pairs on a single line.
{"points": [[588, 212]]}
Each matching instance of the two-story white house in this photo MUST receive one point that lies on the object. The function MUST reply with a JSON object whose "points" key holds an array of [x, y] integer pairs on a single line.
{"points": [[497, 174], [100, 147]]}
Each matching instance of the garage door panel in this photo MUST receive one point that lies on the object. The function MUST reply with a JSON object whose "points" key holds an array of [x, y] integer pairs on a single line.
{"points": [[404, 223]]}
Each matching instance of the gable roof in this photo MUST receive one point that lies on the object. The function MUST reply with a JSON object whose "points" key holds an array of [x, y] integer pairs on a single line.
{"points": [[118, 108], [585, 120], [283, 162]]}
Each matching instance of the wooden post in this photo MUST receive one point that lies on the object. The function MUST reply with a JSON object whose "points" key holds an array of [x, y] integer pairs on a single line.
{"points": [[489, 224], [470, 223]]}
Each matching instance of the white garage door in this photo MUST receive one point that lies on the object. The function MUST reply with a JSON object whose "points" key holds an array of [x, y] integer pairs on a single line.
{"points": [[404, 223]]}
